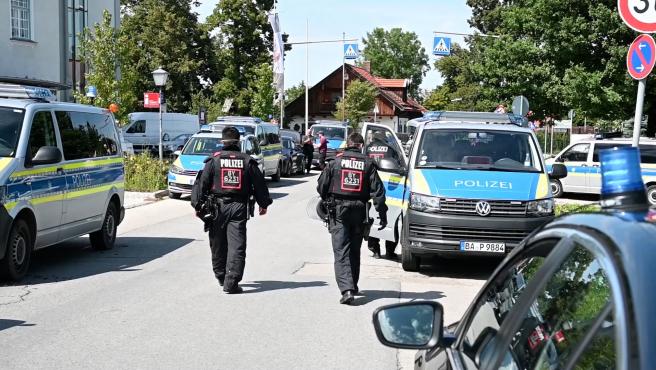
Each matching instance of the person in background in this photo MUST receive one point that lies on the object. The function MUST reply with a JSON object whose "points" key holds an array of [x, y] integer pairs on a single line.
{"points": [[323, 150], [308, 150]]}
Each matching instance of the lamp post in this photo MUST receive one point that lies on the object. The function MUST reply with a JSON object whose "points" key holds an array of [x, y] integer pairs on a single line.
{"points": [[160, 76]]}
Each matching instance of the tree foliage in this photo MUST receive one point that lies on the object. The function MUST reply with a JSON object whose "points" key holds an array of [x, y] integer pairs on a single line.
{"points": [[358, 102], [105, 52], [262, 92], [295, 91], [396, 54]]}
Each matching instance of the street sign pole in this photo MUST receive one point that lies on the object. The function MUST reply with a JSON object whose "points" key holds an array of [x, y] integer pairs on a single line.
{"points": [[307, 73], [343, 73], [637, 119]]}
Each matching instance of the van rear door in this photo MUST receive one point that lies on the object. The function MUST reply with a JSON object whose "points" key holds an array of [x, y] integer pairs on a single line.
{"points": [[394, 182]]}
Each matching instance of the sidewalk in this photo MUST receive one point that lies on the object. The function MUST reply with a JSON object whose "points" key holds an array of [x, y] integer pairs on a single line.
{"points": [[135, 199]]}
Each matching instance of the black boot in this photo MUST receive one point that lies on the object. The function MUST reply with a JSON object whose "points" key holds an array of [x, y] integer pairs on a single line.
{"points": [[347, 297]]}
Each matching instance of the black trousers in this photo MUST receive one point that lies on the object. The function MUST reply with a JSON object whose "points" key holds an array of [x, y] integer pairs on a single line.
{"points": [[322, 160], [308, 164], [346, 231], [228, 243]]}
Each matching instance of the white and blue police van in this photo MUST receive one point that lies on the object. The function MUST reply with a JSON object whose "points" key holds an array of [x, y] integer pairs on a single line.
{"points": [[61, 175], [336, 132], [475, 184], [191, 159]]}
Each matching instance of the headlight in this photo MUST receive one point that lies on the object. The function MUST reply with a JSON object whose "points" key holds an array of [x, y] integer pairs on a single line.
{"points": [[177, 170], [543, 207], [424, 203]]}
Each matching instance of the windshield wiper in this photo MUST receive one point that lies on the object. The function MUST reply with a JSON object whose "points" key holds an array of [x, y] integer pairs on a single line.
{"points": [[502, 169], [441, 167]]}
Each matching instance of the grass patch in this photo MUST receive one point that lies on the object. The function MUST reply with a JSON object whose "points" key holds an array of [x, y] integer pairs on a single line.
{"points": [[145, 173], [563, 209]]}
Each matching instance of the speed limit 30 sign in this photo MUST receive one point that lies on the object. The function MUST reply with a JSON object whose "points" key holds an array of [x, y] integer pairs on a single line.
{"points": [[638, 14]]}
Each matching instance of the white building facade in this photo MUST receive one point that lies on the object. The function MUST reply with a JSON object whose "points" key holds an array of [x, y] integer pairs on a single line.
{"points": [[39, 44]]}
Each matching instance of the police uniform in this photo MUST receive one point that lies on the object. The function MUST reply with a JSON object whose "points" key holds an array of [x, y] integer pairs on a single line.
{"points": [[232, 177], [349, 182]]}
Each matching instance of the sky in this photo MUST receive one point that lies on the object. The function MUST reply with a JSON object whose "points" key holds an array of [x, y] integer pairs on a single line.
{"points": [[329, 19]]}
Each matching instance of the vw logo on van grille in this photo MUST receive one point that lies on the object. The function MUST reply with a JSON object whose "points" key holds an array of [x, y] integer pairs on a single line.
{"points": [[483, 208]]}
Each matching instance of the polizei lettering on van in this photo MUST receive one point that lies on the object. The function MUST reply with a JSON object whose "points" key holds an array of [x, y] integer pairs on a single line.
{"points": [[489, 184], [232, 163], [353, 164]]}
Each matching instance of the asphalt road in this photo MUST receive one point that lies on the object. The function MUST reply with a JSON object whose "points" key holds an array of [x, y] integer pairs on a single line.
{"points": [[153, 302]]}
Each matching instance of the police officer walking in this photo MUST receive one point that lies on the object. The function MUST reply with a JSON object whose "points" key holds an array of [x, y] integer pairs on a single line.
{"points": [[231, 177], [347, 184], [380, 149]]}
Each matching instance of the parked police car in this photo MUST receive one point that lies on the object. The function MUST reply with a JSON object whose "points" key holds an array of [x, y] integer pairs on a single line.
{"points": [[584, 173], [577, 294], [61, 175]]}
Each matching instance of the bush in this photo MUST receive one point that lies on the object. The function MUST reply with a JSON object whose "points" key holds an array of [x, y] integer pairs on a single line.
{"points": [[145, 173], [562, 209]]}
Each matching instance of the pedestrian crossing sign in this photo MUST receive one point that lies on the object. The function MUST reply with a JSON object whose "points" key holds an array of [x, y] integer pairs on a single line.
{"points": [[350, 51], [441, 46]]}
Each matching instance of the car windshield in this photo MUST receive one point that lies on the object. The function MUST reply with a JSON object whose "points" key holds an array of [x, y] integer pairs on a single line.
{"points": [[11, 121], [202, 146], [478, 150], [243, 129], [287, 144], [181, 137], [329, 132]]}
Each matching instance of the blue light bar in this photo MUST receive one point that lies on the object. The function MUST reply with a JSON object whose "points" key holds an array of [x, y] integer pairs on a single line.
{"points": [[622, 186], [14, 91]]}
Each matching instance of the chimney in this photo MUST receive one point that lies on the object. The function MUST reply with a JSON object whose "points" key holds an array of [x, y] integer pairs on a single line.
{"points": [[366, 65]]}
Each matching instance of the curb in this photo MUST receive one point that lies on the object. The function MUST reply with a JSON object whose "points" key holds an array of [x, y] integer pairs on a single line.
{"points": [[161, 194]]}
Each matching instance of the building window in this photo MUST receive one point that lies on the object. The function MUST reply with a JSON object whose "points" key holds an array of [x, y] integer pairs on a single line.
{"points": [[21, 21]]}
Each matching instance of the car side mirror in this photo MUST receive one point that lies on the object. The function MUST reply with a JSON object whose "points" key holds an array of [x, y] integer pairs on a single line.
{"points": [[177, 153], [47, 155], [558, 171], [166, 137], [410, 325]]}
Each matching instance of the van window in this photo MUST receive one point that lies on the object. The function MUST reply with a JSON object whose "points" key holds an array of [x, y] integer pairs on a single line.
{"points": [[87, 135], [577, 153], [648, 154], [42, 133], [11, 121], [272, 134], [138, 127], [261, 135], [603, 146]]}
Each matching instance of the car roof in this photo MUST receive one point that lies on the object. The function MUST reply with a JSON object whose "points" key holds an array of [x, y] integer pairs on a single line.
{"points": [[25, 103], [331, 124], [219, 135], [449, 125], [643, 140]]}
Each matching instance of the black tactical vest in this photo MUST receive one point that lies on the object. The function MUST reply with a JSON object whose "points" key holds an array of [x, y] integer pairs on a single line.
{"points": [[349, 178], [230, 174], [379, 150]]}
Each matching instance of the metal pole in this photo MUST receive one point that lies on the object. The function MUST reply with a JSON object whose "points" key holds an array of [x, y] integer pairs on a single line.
{"points": [[161, 153], [343, 73], [307, 73], [282, 107], [546, 135], [74, 72], [552, 133], [637, 119]]}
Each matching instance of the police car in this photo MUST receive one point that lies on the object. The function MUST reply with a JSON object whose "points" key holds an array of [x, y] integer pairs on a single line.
{"points": [[336, 132], [61, 175], [191, 159], [577, 294], [475, 185], [583, 167]]}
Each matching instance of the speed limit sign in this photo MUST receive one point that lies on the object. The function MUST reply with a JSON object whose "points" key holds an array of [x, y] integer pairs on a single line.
{"points": [[638, 14]]}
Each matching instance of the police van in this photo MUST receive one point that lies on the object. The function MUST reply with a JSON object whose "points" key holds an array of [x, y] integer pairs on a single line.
{"points": [[474, 184], [584, 171], [191, 159], [336, 132], [268, 139], [61, 175]]}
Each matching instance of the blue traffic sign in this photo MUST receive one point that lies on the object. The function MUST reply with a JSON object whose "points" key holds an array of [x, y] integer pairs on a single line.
{"points": [[441, 46], [350, 51], [641, 57]]}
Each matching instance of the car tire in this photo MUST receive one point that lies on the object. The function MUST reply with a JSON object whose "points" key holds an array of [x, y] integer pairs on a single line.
{"points": [[409, 261], [174, 195], [105, 238], [556, 188], [651, 195], [276, 177], [16, 263]]}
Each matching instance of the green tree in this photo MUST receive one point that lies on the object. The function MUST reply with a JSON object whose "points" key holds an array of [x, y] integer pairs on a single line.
{"points": [[167, 34], [437, 99], [105, 51], [262, 92], [358, 102], [243, 42], [295, 91], [396, 54]]}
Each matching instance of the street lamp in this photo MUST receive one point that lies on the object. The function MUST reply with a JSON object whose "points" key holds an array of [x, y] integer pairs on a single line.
{"points": [[160, 76]]}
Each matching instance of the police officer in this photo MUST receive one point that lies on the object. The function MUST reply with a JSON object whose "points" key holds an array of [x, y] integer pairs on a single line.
{"points": [[347, 184], [232, 177], [378, 149]]}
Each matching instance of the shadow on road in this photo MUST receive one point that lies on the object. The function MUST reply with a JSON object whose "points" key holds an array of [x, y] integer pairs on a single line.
{"points": [[476, 268], [6, 324], [373, 295], [269, 285], [76, 259], [275, 195], [284, 182]]}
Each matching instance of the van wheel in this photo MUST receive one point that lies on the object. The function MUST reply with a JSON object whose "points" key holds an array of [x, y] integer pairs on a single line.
{"points": [[409, 261], [174, 195], [556, 188], [276, 176], [651, 195], [104, 238], [17, 259]]}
